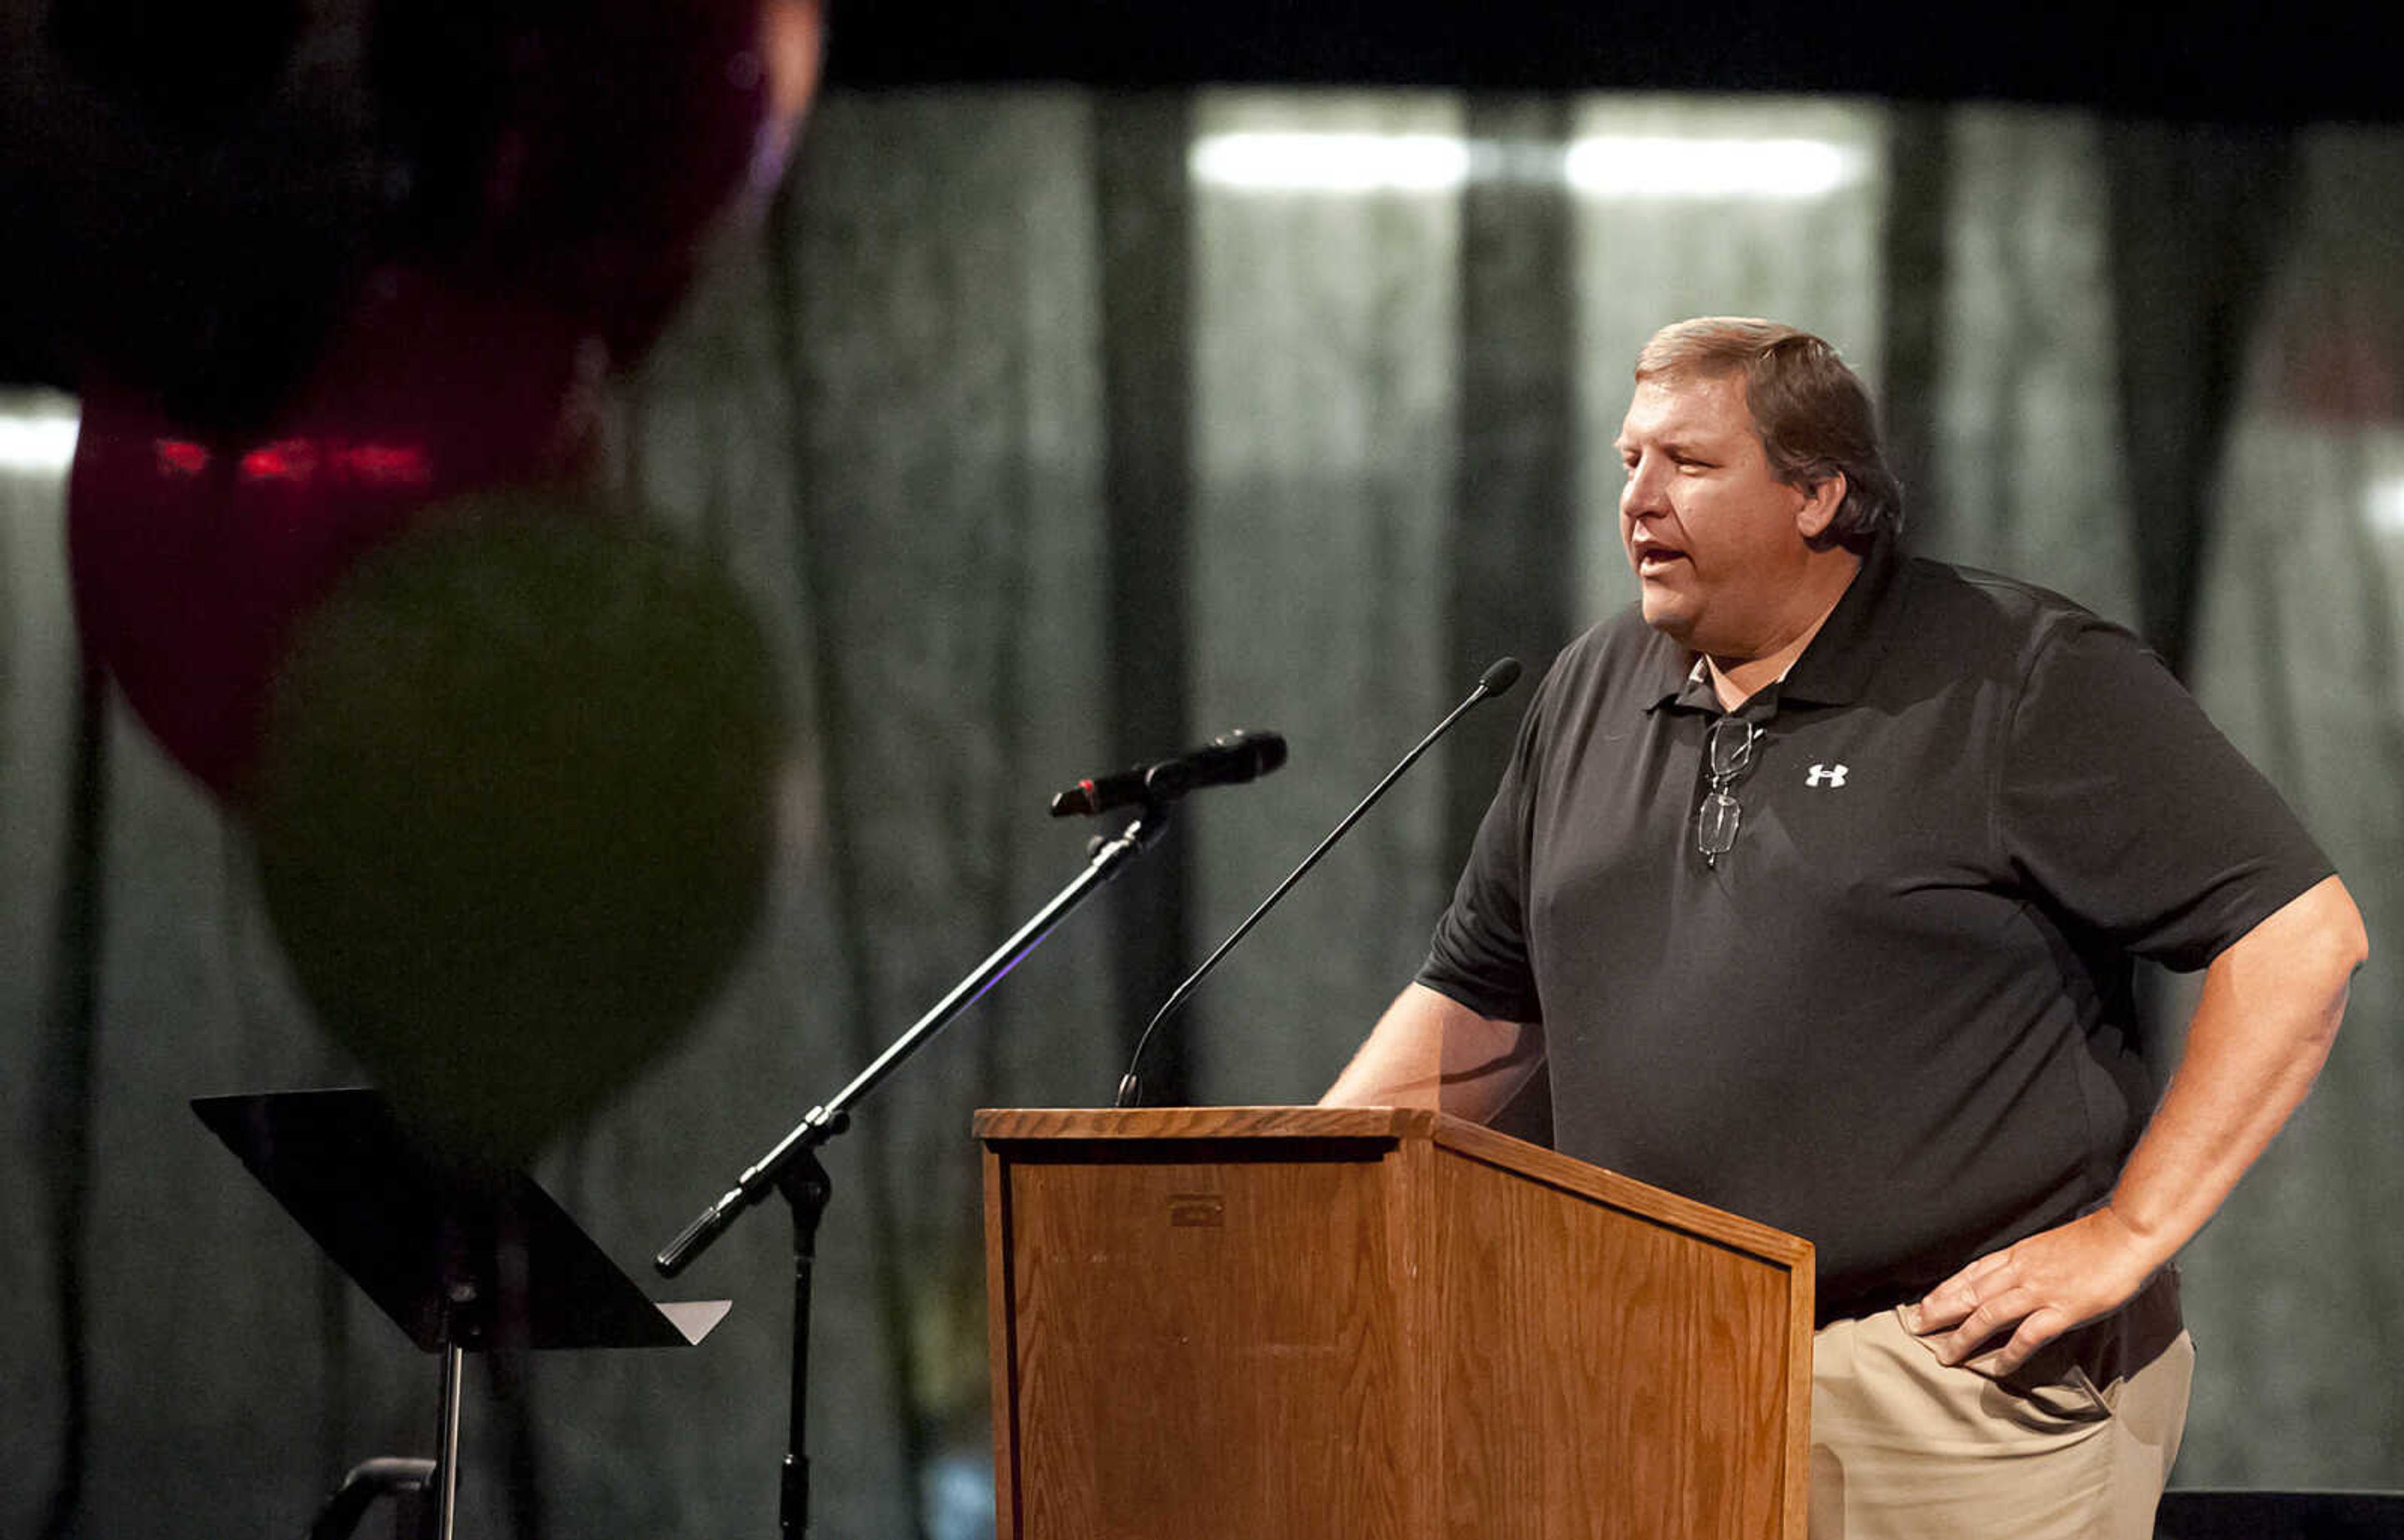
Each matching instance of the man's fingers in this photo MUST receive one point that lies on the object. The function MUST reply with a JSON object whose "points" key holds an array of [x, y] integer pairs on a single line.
{"points": [[1993, 1316], [1945, 1305], [2032, 1292], [2034, 1333], [1949, 1305]]}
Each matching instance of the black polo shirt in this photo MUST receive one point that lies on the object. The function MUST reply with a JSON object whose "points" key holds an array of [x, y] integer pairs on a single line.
{"points": [[1896, 1017]]}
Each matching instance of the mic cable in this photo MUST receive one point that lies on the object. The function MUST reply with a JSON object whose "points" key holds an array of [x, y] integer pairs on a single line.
{"points": [[1500, 676]]}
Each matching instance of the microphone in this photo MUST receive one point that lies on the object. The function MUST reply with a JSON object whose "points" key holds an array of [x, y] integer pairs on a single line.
{"points": [[1228, 760], [1500, 676]]}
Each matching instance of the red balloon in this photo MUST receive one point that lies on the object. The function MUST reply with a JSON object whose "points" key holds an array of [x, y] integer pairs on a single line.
{"points": [[599, 141], [576, 153], [192, 558]]}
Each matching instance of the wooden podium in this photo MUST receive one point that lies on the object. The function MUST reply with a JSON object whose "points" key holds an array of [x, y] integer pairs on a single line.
{"points": [[1336, 1324]]}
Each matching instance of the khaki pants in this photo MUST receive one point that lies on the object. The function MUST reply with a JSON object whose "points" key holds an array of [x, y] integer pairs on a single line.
{"points": [[2074, 1445]]}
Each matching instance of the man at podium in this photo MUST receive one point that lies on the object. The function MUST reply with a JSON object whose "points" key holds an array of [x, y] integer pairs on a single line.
{"points": [[1815, 880]]}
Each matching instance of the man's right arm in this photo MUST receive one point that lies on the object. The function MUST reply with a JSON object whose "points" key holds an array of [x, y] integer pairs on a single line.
{"points": [[1429, 1050]]}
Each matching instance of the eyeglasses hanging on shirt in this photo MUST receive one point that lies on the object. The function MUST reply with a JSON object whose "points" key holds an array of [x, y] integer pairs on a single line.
{"points": [[1729, 751]]}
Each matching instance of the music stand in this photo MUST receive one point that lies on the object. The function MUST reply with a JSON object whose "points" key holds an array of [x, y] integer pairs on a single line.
{"points": [[457, 1259]]}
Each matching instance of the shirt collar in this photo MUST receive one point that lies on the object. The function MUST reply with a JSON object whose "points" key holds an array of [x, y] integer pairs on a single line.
{"points": [[1835, 668]]}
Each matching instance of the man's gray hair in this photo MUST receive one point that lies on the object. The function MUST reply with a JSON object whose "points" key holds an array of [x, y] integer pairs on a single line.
{"points": [[1811, 409]]}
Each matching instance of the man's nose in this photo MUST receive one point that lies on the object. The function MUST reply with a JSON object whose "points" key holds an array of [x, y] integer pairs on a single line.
{"points": [[1641, 494]]}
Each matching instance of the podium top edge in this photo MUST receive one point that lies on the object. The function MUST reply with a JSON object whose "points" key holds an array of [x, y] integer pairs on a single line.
{"points": [[1007, 1123], [1399, 1124]]}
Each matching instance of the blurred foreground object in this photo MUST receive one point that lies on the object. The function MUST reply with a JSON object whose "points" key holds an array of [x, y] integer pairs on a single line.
{"points": [[204, 192], [344, 288], [325, 289], [576, 153], [193, 555], [516, 809]]}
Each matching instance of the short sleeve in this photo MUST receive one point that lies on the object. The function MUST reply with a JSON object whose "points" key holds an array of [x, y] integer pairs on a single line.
{"points": [[1479, 957], [2126, 808]]}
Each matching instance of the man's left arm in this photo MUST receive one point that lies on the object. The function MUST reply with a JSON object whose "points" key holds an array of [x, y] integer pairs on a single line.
{"points": [[2269, 1011]]}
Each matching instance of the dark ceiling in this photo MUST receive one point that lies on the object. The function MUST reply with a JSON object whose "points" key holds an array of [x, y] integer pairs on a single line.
{"points": [[71, 186], [2215, 61]]}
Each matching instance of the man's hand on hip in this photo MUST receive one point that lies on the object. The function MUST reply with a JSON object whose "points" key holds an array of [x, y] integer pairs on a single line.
{"points": [[2269, 1010], [2035, 1290]]}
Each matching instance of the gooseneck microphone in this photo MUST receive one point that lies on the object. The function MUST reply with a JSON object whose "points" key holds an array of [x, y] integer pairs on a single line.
{"points": [[1228, 760], [1500, 676]]}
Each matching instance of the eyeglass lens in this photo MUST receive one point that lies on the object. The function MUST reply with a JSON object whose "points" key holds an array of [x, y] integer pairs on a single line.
{"points": [[1729, 750], [1731, 747], [1715, 827]]}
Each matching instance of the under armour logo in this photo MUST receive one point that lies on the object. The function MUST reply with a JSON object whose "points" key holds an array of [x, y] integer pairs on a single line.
{"points": [[1825, 774]]}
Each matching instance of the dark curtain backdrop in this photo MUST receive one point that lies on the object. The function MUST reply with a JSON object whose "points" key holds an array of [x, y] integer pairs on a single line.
{"points": [[1050, 432]]}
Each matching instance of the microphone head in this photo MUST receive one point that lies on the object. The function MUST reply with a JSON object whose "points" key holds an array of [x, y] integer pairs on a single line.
{"points": [[1500, 676], [1241, 755]]}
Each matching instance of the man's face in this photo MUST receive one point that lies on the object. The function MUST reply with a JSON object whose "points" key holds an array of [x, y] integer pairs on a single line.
{"points": [[1718, 543]]}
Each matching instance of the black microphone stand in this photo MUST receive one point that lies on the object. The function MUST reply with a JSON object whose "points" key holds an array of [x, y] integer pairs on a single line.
{"points": [[793, 1168]]}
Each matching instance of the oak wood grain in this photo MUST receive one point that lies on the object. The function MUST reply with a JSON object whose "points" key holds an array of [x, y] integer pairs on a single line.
{"points": [[1603, 1374], [1207, 1123], [1373, 1322], [1176, 1372]]}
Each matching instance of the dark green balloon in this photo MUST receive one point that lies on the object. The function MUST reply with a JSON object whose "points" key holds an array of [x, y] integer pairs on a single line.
{"points": [[516, 809]]}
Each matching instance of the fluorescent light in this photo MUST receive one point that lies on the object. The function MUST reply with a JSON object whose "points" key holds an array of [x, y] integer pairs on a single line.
{"points": [[1667, 166], [1603, 166], [38, 444], [2382, 505], [1331, 162]]}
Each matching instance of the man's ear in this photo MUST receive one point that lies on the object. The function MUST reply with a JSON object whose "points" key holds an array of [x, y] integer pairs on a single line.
{"points": [[1819, 507]]}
